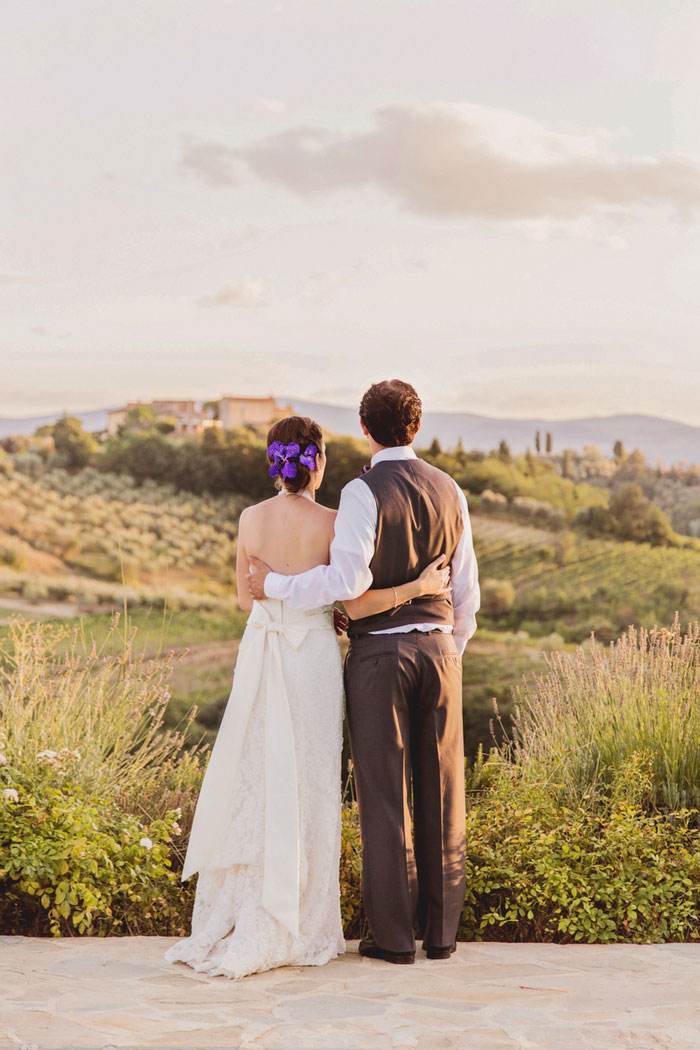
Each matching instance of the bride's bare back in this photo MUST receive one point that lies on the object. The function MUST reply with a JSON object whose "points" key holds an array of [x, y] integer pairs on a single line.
{"points": [[289, 532]]}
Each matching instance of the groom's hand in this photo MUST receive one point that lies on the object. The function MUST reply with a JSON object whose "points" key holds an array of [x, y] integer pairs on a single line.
{"points": [[257, 571]]}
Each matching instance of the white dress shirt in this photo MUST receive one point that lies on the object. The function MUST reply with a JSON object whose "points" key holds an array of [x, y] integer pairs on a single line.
{"points": [[348, 575]]}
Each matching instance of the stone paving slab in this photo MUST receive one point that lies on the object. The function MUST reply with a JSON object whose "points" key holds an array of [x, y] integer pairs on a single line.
{"points": [[119, 992]]}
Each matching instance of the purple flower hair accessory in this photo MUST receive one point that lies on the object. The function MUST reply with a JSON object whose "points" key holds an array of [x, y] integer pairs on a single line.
{"points": [[282, 457], [308, 458]]}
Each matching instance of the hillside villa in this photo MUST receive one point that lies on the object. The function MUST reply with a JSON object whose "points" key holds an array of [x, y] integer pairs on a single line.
{"points": [[191, 417]]}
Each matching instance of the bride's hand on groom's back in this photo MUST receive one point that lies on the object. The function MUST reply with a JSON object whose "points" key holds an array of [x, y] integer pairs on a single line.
{"points": [[435, 578]]}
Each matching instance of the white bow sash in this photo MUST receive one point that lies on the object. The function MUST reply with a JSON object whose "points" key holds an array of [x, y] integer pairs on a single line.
{"points": [[269, 625]]}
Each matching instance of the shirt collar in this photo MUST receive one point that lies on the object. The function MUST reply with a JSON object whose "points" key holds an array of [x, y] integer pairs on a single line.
{"points": [[400, 452]]}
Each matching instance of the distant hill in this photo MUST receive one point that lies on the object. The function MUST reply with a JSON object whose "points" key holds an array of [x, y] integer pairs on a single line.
{"points": [[654, 437], [666, 438], [96, 420]]}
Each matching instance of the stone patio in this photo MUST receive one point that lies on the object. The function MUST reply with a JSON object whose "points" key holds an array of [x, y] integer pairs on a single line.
{"points": [[119, 992]]}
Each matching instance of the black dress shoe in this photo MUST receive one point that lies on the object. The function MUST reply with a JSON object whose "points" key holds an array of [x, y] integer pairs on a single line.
{"points": [[371, 950], [441, 953]]}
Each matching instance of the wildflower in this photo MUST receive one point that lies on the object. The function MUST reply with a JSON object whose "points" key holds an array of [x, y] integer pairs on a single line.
{"points": [[176, 828], [48, 757], [146, 843], [11, 793], [3, 760], [66, 755]]}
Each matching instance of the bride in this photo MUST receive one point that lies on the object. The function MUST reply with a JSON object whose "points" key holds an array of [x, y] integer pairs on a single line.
{"points": [[266, 832]]}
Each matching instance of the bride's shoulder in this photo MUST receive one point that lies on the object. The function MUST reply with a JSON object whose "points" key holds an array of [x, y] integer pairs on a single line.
{"points": [[255, 510], [325, 514], [326, 510]]}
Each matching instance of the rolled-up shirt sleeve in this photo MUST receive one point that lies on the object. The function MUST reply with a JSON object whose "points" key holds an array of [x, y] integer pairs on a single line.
{"points": [[348, 574], [464, 580]]}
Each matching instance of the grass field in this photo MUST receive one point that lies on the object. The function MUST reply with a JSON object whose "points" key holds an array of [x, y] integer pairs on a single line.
{"points": [[571, 584], [565, 585]]}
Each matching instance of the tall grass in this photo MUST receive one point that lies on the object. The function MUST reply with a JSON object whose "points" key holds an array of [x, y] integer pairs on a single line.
{"points": [[61, 694], [581, 722]]}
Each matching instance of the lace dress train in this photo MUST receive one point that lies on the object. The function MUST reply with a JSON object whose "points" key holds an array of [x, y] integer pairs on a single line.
{"points": [[266, 836]]}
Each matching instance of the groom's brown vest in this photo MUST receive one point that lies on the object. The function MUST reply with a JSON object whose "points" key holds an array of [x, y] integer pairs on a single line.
{"points": [[418, 518]]}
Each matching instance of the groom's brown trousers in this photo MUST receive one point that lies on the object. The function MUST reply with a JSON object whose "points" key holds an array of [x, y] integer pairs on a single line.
{"points": [[404, 708]]}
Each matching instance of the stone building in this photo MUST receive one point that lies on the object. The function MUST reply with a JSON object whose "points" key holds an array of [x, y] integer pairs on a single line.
{"points": [[250, 411], [189, 419]]}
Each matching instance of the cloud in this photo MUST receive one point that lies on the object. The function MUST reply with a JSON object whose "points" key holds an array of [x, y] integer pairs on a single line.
{"points": [[269, 106], [208, 161], [40, 329], [323, 284], [463, 161], [247, 292], [14, 277]]}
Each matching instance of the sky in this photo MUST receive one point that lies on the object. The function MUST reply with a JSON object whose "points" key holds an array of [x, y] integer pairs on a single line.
{"points": [[496, 201]]}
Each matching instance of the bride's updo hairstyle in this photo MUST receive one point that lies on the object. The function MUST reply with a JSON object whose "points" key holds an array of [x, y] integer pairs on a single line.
{"points": [[293, 445]]}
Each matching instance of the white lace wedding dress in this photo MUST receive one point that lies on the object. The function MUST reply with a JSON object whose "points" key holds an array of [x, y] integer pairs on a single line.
{"points": [[266, 833]]}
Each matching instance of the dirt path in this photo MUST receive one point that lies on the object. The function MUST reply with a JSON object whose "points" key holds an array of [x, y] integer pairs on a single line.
{"points": [[66, 610]]}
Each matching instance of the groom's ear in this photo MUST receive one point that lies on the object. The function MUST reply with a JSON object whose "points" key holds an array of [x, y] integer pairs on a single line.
{"points": [[365, 431]]}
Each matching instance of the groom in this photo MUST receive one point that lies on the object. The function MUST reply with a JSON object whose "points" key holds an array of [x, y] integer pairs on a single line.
{"points": [[403, 677]]}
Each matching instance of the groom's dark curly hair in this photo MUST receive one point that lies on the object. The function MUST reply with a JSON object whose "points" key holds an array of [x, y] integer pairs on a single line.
{"points": [[391, 412]]}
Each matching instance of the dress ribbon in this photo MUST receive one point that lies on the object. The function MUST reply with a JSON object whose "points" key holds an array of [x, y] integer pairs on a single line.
{"points": [[271, 626]]}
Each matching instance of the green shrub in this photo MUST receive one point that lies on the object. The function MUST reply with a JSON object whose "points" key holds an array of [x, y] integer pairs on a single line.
{"points": [[497, 597], [585, 834], [11, 554], [541, 871], [71, 862], [351, 874]]}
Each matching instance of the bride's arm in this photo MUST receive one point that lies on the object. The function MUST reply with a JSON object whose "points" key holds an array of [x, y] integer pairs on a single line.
{"points": [[245, 600], [433, 580]]}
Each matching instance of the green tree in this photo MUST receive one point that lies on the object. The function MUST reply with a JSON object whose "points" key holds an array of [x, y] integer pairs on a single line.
{"points": [[566, 463], [548, 443], [497, 597], [213, 438], [619, 450], [73, 442], [531, 462], [638, 519], [659, 529], [538, 447], [504, 452], [631, 467], [166, 424], [628, 507], [140, 417], [345, 459]]}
